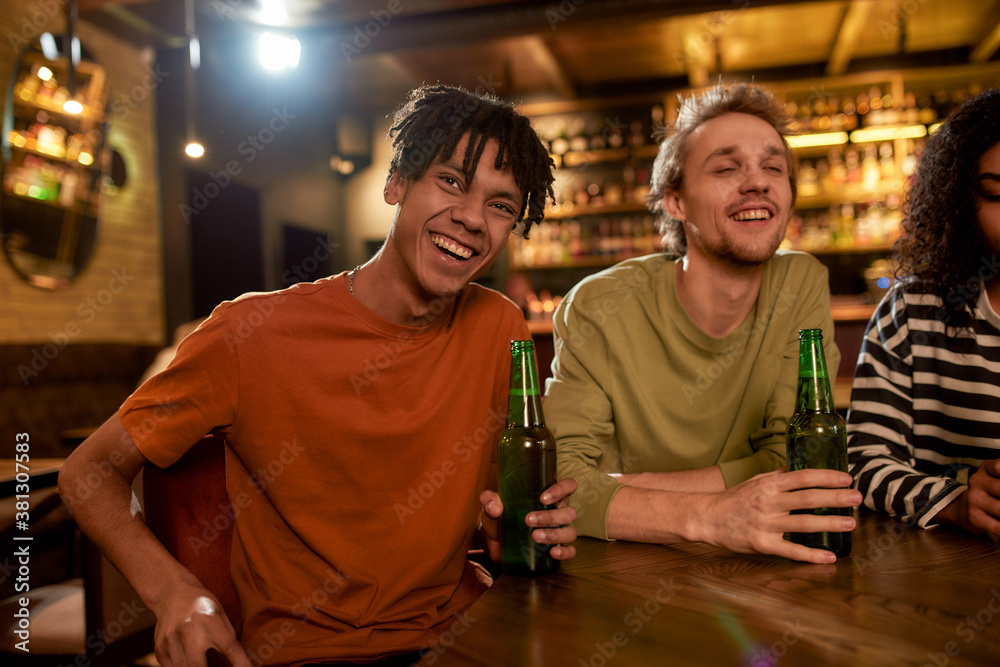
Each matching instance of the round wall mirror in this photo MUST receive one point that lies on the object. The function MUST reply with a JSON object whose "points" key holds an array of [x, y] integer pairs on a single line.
{"points": [[54, 156]]}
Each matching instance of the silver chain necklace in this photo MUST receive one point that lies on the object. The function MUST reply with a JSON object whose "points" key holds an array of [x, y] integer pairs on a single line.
{"points": [[350, 279]]}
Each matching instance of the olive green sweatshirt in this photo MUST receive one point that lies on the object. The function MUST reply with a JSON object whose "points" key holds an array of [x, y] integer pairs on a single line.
{"points": [[637, 386]]}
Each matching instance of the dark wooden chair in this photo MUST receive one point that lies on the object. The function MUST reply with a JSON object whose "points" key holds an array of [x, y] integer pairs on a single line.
{"points": [[187, 507]]}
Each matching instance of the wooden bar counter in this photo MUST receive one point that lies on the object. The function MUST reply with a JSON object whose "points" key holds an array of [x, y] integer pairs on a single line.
{"points": [[905, 596]]}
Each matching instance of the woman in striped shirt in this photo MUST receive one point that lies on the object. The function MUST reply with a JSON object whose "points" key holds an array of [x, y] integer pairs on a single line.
{"points": [[924, 423]]}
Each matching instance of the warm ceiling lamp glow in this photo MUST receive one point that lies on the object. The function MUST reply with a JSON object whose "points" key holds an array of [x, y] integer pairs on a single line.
{"points": [[888, 133], [819, 139], [72, 106], [273, 12], [194, 149], [44, 73], [278, 52], [339, 164]]}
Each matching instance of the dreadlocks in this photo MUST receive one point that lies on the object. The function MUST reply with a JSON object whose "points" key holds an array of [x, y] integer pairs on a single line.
{"points": [[435, 118]]}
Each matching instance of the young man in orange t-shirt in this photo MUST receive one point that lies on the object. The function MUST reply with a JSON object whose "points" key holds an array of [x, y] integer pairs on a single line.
{"points": [[370, 399]]}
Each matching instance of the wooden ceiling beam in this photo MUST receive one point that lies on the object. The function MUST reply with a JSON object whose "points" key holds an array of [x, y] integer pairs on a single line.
{"points": [[94, 5], [855, 18], [546, 61], [149, 31], [986, 48]]}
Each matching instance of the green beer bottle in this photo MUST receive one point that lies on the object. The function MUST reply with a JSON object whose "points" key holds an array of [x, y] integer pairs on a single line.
{"points": [[816, 436], [526, 456]]}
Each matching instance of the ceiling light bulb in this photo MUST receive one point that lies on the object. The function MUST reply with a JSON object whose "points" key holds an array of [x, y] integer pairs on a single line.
{"points": [[279, 52], [273, 12], [194, 149]]}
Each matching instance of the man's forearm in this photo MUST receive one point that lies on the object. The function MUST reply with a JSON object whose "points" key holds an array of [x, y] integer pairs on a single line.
{"points": [[105, 513], [701, 480], [653, 515]]}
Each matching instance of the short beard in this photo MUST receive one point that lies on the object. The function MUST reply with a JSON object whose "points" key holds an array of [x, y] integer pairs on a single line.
{"points": [[741, 256]]}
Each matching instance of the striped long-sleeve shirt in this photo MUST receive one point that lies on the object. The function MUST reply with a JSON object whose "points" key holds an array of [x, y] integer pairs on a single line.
{"points": [[923, 415]]}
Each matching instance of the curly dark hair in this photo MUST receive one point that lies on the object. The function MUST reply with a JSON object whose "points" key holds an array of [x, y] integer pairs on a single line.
{"points": [[433, 121], [940, 250], [668, 169]]}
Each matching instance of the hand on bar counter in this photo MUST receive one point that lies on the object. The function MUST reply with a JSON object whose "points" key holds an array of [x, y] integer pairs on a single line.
{"points": [[751, 517]]}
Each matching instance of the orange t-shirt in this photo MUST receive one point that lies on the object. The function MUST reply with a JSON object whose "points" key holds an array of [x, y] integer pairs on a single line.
{"points": [[356, 452]]}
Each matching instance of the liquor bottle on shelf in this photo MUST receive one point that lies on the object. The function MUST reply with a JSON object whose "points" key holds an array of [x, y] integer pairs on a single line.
{"points": [[595, 135], [575, 239], [613, 193], [658, 116], [838, 171], [822, 175], [852, 166], [850, 111], [628, 178], [595, 194], [866, 224], [615, 138], [578, 141], [887, 163], [871, 169], [862, 109], [636, 134], [641, 189], [807, 179], [560, 144]]}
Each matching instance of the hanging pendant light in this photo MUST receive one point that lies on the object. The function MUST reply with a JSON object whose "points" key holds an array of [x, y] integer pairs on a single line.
{"points": [[194, 147]]}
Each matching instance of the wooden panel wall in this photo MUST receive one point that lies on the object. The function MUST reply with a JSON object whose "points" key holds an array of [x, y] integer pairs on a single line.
{"points": [[119, 295]]}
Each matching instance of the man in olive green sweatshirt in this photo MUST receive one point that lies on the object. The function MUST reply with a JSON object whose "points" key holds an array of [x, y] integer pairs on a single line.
{"points": [[675, 373]]}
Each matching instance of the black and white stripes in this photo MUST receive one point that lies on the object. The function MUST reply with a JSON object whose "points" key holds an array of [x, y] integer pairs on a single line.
{"points": [[925, 406]]}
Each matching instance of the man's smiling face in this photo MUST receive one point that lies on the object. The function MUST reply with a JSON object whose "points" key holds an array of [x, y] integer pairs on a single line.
{"points": [[449, 229], [736, 195]]}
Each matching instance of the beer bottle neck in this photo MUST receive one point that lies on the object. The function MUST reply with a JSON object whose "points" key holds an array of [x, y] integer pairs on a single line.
{"points": [[813, 391], [524, 406]]}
